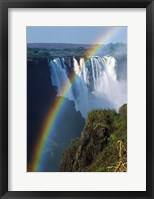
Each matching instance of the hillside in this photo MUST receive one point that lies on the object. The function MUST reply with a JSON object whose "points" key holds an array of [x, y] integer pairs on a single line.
{"points": [[102, 146]]}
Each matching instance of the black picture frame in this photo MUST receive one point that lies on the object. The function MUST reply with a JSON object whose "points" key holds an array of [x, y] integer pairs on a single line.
{"points": [[4, 6]]}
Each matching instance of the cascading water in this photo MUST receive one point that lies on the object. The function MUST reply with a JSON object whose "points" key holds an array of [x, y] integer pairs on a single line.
{"points": [[59, 78], [95, 84]]}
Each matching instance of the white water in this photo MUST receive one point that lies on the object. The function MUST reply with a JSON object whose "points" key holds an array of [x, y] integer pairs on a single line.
{"points": [[59, 78], [95, 85]]}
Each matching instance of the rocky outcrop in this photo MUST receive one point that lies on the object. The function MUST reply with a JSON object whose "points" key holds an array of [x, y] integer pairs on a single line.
{"points": [[40, 95], [96, 148]]}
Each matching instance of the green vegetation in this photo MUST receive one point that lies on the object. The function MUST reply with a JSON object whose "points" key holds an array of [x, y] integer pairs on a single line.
{"points": [[33, 53], [102, 146]]}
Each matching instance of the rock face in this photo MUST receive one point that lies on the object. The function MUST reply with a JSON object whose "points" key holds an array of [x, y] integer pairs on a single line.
{"points": [[103, 129], [40, 95]]}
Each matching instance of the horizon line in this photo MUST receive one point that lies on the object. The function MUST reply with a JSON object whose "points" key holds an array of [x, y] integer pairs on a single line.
{"points": [[76, 43]]}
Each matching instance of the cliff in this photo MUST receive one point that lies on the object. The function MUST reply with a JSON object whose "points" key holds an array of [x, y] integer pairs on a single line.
{"points": [[102, 145], [41, 94]]}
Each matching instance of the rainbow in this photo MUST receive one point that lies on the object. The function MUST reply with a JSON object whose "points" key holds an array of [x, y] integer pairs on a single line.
{"points": [[55, 109]]}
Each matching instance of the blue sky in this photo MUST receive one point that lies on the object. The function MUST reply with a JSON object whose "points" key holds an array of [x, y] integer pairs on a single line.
{"points": [[73, 34]]}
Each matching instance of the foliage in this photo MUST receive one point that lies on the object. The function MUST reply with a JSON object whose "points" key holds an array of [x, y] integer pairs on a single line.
{"points": [[48, 53], [102, 146]]}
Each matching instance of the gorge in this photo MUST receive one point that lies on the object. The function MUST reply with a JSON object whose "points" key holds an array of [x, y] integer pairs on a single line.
{"points": [[68, 87]]}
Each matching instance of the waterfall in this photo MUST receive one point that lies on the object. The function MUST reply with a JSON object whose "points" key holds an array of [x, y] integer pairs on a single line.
{"points": [[95, 84], [59, 78]]}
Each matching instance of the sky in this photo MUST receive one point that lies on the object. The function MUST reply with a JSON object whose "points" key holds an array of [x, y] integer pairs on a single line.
{"points": [[76, 34]]}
